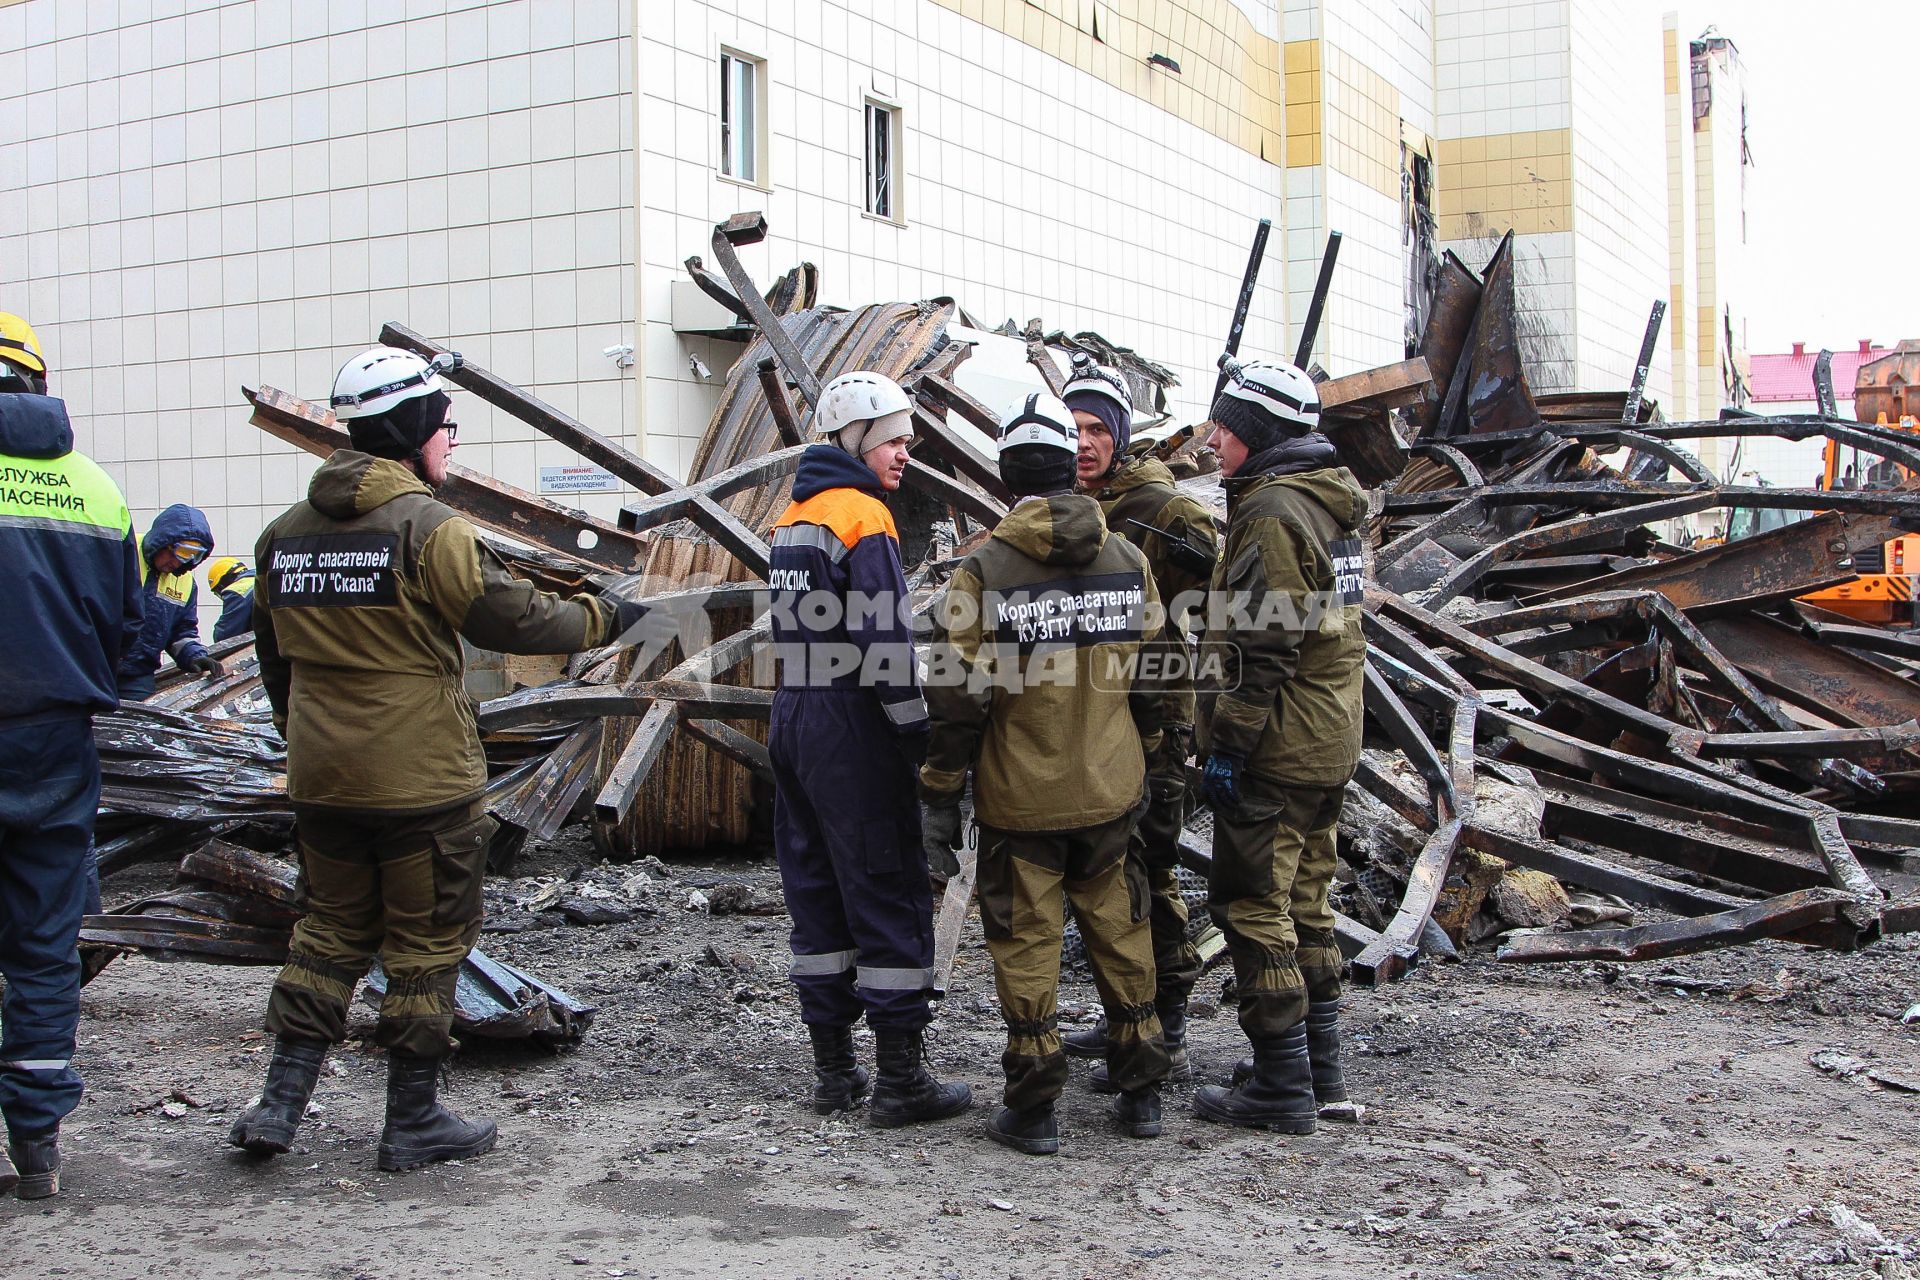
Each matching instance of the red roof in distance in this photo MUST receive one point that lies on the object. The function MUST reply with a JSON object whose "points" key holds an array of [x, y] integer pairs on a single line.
{"points": [[1789, 375]]}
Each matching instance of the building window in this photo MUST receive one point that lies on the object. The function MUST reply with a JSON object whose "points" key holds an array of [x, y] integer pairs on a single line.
{"points": [[743, 84], [884, 169]]}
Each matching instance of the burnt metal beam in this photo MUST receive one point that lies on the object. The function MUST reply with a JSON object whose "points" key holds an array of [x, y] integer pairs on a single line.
{"points": [[487, 502], [1817, 915], [1599, 875], [714, 520]]}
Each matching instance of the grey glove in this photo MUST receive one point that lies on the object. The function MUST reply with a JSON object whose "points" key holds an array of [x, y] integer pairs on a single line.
{"points": [[205, 665], [940, 837]]}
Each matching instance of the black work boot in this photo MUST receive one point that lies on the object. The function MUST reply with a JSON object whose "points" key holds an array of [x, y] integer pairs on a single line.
{"points": [[1172, 1008], [9, 1176], [37, 1162], [419, 1130], [839, 1083], [1088, 1043], [905, 1092], [1279, 1096], [1323, 1051], [1138, 1113], [1034, 1132], [266, 1128]]}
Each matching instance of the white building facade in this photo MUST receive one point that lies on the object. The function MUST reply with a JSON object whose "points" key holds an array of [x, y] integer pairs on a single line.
{"points": [[200, 194]]}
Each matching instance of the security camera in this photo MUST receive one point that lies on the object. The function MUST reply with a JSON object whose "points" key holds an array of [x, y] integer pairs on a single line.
{"points": [[699, 367], [621, 354]]}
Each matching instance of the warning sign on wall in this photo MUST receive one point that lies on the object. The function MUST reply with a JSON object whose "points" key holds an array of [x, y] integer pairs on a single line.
{"points": [[581, 477]]}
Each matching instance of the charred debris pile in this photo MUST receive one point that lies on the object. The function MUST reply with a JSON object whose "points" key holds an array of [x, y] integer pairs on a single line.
{"points": [[1587, 740]]}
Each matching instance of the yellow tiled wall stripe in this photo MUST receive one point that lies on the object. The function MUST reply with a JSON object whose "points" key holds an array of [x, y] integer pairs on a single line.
{"points": [[1229, 81], [1522, 180], [1301, 65], [1362, 122]]}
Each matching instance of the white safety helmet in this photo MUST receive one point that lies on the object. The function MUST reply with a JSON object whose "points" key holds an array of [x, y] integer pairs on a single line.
{"points": [[858, 397], [1098, 379], [381, 377], [1040, 419], [1283, 392]]}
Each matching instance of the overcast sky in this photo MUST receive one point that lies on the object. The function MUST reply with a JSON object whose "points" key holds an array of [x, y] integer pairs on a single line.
{"points": [[1834, 213]]}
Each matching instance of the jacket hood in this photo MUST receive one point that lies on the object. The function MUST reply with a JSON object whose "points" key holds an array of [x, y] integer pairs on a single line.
{"points": [[351, 483], [1063, 529], [170, 526], [1332, 487], [828, 466], [1140, 469], [34, 426]]}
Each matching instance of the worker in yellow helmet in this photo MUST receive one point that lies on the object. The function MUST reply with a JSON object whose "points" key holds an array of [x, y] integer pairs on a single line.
{"points": [[232, 581], [73, 604]]}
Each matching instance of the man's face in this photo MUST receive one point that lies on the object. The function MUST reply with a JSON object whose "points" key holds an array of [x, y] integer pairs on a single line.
{"points": [[437, 452], [888, 462], [1096, 449], [1233, 453]]}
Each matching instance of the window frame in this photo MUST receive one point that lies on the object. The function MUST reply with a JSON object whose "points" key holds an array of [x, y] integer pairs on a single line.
{"points": [[870, 105], [726, 61]]}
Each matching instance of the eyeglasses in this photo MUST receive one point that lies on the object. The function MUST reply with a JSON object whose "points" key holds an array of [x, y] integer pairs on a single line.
{"points": [[453, 431]]}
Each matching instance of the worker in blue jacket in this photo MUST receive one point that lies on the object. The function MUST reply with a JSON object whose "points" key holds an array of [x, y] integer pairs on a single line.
{"points": [[176, 544], [232, 581], [73, 602], [849, 728]]}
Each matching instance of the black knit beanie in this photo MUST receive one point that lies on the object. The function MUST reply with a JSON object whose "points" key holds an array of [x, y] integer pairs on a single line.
{"points": [[403, 430], [1257, 429], [1031, 469]]}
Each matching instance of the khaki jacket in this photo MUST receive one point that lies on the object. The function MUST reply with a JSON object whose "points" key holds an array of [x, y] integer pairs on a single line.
{"points": [[1291, 651], [1144, 490], [1033, 679], [363, 593]]}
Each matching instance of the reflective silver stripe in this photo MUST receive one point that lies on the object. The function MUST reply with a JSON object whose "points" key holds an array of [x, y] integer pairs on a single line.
{"points": [[811, 966], [907, 711], [53, 524], [37, 1064], [893, 979], [817, 536]]}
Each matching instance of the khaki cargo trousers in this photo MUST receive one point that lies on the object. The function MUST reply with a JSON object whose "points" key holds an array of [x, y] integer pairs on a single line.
{"points": [[1022, 877], [1273, 860], [405, 888]]}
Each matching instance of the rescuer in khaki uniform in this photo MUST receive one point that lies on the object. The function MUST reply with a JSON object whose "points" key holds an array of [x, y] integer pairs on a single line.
{"points": [[1033, 685], [364, 592], [1141, 503], [1282, 737]]}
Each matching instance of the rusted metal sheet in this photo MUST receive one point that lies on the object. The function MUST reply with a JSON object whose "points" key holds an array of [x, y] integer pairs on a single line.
{"points": [[1456, 298], [1751, 572]]}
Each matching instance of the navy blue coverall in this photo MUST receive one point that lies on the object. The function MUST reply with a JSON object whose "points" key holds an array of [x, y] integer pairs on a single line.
{"points": [[73, 583], [172, 621], [849, 728], [236, 608]]}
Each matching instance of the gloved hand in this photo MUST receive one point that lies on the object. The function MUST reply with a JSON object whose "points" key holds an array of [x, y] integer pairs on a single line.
{"points": [[626, 614], [206, 665], [940, 837], [1221, 781]]}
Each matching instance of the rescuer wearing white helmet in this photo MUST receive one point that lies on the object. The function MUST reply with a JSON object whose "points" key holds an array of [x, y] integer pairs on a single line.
{"points": [[1036, 689], [363, 594], [849, 726], [1141, 503], [1281, 735]]}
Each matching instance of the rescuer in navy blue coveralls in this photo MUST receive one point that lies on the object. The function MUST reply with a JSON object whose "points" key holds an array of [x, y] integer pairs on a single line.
{"points": [[848, 730], [73, 584]]}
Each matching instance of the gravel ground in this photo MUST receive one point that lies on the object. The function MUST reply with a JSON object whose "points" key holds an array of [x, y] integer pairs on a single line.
{"points": [[1580, 1121]]}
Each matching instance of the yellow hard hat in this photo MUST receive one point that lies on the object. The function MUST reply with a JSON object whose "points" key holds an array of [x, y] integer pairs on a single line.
{"points": [[226, 570], [19, 345]]}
